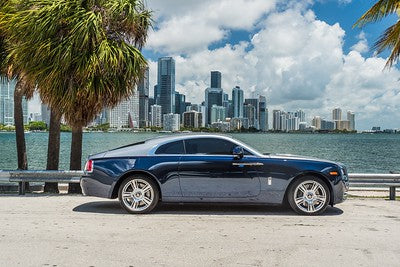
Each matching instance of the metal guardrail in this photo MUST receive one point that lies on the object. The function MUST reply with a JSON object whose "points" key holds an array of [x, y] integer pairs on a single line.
{"points": [[376, 180], [22, 176], [356, 179]]}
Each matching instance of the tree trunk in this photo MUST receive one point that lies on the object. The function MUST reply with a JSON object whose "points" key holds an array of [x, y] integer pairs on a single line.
{"points": [[76, 157], [19, 130], [53, 150]]}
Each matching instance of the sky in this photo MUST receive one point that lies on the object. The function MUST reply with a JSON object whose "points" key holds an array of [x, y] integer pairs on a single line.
{"points": [[300, 54]]}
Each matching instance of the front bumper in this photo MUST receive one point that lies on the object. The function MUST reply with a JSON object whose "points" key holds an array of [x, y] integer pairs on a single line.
{"points": [[92, 187], [340, 191]]}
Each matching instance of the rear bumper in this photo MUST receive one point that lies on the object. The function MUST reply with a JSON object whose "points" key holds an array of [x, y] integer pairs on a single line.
{"points": [[92, 187]]}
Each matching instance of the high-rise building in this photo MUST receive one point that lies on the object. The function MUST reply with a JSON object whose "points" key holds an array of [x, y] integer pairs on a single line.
{"points": [[155, 115], [316, 122], [263, 121], [255, 102], [126, 114], [166, 84], [250, 114], [337, 114], [7, 89], [213, 96], [351, 117], [238, 101], [156, 95], [192, 119], [216, 79], [276, 120], [45, 114], [180, 103], [143, 88], [171, 122], [218, 113], [327, 125], [342, 125], [301, 115]]}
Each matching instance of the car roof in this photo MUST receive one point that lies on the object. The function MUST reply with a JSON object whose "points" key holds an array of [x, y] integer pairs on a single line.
{"points": [[149, 146]]}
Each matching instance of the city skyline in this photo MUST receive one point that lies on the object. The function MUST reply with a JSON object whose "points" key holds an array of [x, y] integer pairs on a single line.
{"points": [[299, 54]]}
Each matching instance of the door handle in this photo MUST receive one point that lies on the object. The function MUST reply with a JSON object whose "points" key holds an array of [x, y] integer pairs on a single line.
{"points": [[247, 164]]}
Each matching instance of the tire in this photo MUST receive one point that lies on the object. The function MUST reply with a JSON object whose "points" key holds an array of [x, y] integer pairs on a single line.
{"points": [[309, 195], [138, 194]]}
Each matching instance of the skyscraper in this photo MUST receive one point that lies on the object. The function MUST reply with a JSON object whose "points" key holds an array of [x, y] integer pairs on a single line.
{"points": [[143, 88], [216, 79], [45, 114], [218, 113], [263, 121], [337, 114], [255, 102], [192, 119], [250, 114], [352, 120], [166, 84], [213, 96], [126, 114], [171, 122], [238, 100], [301, 115], [276, 120], [180, 103], [7, 89], [156, 94], [155, 117]]}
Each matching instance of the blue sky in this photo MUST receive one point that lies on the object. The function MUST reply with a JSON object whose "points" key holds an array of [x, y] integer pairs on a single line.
{"points": [[300, 54]]}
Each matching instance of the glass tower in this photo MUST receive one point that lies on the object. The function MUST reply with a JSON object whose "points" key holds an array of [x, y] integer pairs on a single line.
{"points": [[166, 84]]}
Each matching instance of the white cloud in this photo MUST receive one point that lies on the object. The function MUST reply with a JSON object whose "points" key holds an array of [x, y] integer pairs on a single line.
{"points": [[298, 62], [189, 26], [362, 45], [293, 58]]}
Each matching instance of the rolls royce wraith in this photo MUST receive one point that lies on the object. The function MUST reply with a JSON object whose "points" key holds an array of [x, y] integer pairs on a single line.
{"points": [[211, 169]]}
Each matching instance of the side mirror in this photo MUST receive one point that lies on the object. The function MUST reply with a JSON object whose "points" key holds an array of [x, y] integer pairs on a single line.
{"points": [[238, 152]]}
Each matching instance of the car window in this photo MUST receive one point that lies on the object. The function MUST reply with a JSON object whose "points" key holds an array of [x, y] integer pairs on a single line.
{"points": [[171, 148], [210, 146]]}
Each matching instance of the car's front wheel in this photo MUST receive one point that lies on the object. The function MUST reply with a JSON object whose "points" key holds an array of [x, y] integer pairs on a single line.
{"points": [[138, 194], [309, 195]]}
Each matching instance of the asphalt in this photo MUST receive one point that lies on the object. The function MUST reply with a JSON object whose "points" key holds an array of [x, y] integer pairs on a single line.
{"points": [[85, 231]]}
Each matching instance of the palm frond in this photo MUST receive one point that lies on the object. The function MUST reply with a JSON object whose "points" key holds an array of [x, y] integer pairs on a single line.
{"points": [[378, 11]]}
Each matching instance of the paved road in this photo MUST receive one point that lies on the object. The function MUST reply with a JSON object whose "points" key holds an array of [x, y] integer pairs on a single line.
{"points": [[85, 231]]}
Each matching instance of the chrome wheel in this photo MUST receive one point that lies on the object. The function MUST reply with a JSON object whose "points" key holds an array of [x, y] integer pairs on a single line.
{"points": [[310, 196], [137, 195]]}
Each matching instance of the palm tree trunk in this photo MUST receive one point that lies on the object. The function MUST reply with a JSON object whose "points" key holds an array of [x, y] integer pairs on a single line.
{"points": [[53, 149], [19, 130], [76, 157]]}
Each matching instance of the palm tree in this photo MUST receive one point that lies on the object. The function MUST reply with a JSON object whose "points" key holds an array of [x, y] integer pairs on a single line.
{"points": [[390, 39], [26, 89], [23, 88], [84, 56]]}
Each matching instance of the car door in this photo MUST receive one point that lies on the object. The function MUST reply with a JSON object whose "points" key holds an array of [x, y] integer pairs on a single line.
{"points": [[208, 170]]}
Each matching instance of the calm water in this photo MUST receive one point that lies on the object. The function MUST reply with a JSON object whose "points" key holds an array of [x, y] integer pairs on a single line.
{"points": [[379, 153]]}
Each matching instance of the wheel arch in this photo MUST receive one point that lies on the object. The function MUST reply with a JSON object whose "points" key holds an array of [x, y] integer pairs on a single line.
{"points": [[311, 173], [114, 193]]}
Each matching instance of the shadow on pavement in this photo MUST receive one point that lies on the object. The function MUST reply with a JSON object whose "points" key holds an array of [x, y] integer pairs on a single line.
{"points": [[113, 207]]}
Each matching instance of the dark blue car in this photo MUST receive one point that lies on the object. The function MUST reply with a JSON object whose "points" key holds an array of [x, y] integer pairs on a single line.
{"points": [[211, 168]]}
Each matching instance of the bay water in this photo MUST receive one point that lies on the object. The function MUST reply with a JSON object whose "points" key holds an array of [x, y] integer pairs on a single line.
{"points": [[365, 153]]}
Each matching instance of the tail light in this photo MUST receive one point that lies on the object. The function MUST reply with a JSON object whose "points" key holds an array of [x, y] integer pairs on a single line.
{"points": [[89, 166]]}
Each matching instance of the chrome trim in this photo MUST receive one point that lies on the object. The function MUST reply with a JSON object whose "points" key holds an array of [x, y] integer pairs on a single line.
{"points": [[248, 164]]}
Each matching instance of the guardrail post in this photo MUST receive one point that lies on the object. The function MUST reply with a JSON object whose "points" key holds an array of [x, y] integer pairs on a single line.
{"points": [[392, 193], [21, 188]]}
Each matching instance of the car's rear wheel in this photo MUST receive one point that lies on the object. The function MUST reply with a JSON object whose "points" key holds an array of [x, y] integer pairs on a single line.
{"points": [[138, 194], [309, 195]]}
